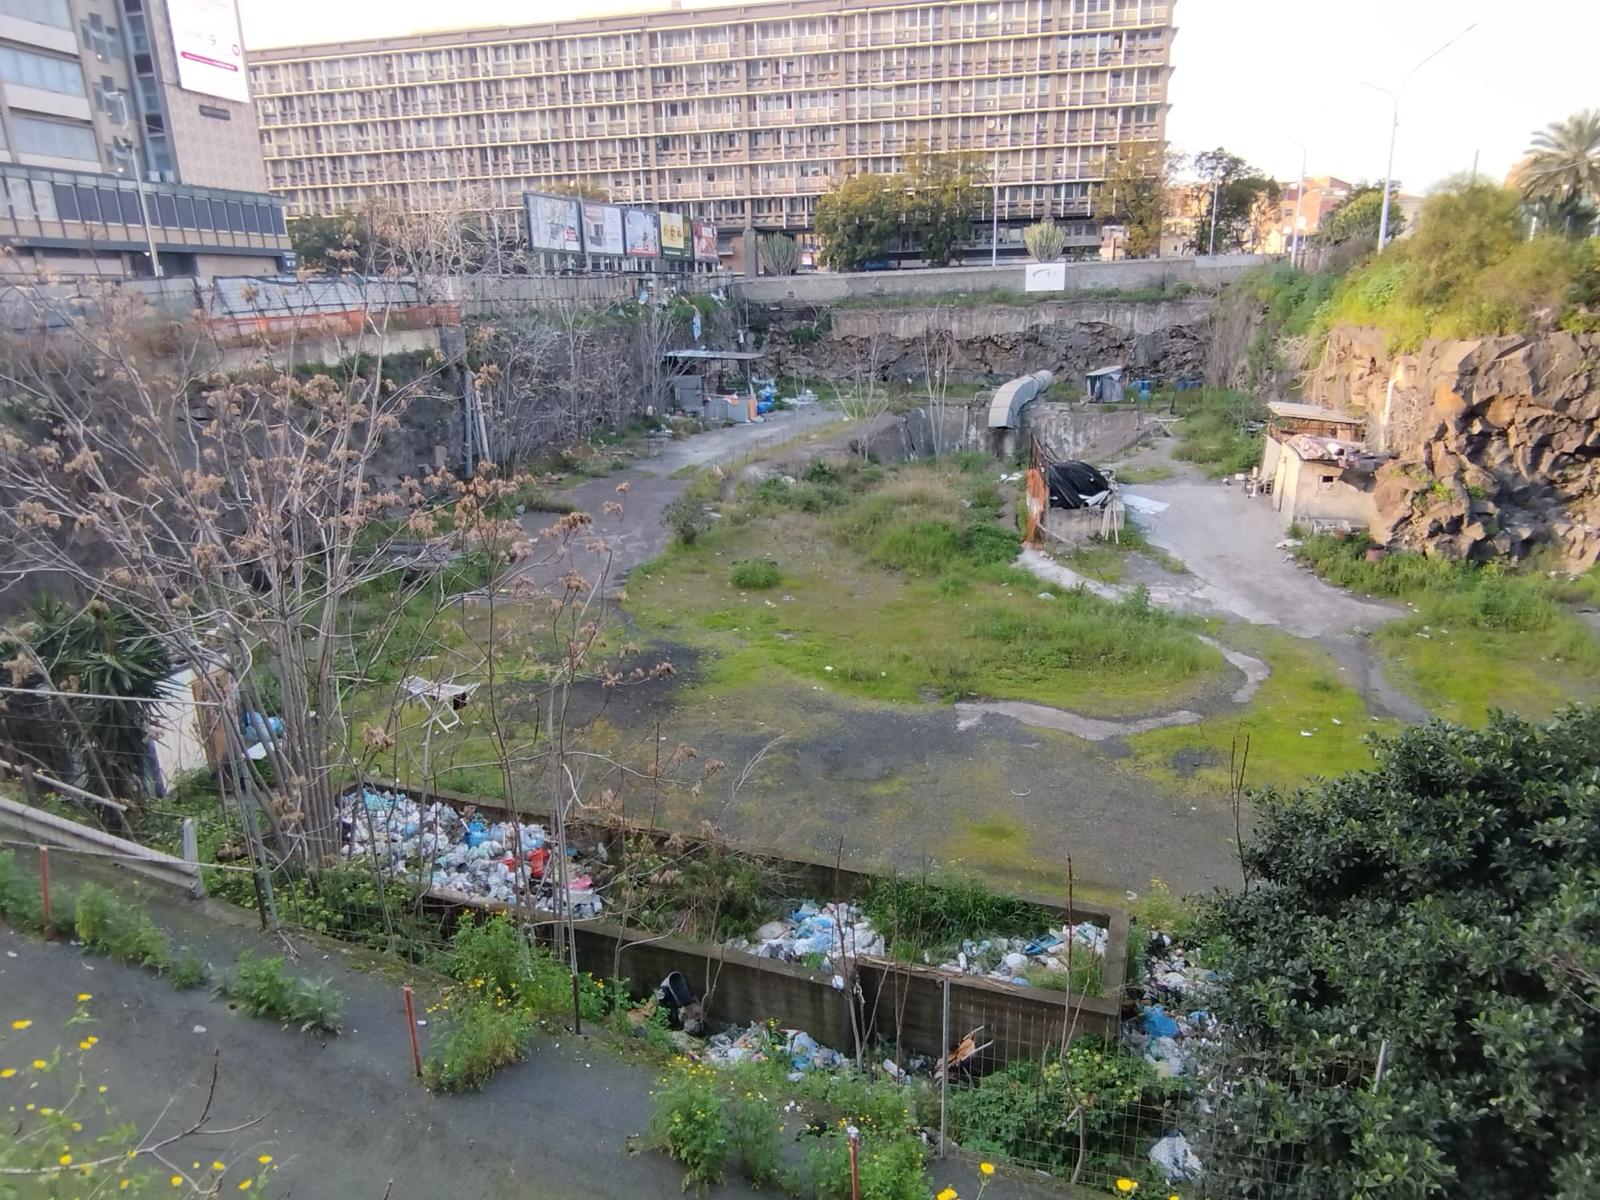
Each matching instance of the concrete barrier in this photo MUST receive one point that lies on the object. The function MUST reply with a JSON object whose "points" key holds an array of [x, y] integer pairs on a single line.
{"points": [[1129, 275], [899, 1003], [39, 827]]}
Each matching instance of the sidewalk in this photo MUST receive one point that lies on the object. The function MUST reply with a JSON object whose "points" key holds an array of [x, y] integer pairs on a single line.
{"points": [[344, 1115]]}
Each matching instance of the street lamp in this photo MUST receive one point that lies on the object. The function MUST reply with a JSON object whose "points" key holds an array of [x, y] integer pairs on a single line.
{"points": [[1299, 202], [128, 154], [1394, 127]]}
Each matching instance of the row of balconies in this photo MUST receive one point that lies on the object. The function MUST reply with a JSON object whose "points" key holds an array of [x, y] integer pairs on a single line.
{"points": [[274, 79], [848, 145], [812, 76], [712, 122]]}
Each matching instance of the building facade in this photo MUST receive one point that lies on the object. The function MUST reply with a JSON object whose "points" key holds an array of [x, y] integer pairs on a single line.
{"points": [[738, 115], [126, 124]]}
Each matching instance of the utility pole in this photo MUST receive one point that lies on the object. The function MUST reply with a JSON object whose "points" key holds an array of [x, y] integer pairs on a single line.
{"points": [[1394, 128], [126, 145], [994, 216], [1216, 180], [1299, 203]]}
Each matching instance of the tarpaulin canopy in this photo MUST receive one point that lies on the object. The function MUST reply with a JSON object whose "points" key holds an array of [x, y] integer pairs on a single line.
{"points": [[1075, 485]]}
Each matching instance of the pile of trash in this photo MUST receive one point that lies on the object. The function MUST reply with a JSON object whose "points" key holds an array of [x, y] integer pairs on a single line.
{"points": [[1005, 959], [830, 933], [1172, 1025], [763, 1043], [1172, 1018], [490, 860], [824, 933]]}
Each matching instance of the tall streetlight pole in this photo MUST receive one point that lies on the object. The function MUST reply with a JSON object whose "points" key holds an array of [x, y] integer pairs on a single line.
{"points": [[1394, 128], [994, 216], [126, 146], [1299, 202]]}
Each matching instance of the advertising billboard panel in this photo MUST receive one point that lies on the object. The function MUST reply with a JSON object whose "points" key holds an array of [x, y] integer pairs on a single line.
{"points": [[705, 241], [641, 233], [602, 228], [205, 36], [674, 236], [553, 223]]}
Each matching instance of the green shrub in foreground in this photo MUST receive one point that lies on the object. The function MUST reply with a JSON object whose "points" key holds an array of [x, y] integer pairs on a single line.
{"points": [[891, 1168], [105, 923], [264, 990], [755, 574], [690, 1124], [473, 1043]]}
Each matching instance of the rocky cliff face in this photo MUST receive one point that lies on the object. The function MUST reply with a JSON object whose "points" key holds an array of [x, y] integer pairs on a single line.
{"points": [[1496, 440], [1164, 340]]}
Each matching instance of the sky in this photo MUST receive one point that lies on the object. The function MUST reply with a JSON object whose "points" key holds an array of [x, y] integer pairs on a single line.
{"points": [[1253, 76]]}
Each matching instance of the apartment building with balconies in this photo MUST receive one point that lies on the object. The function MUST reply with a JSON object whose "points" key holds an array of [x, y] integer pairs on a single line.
{"points": [[741, 115], [126, 128]]}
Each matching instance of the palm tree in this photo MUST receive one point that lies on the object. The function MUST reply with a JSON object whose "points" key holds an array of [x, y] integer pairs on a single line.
{"points": [[1562, 170]]}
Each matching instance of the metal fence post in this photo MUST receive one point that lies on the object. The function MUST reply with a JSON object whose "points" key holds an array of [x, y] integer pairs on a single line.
{"points": [[944, 1070], [191, 854]]}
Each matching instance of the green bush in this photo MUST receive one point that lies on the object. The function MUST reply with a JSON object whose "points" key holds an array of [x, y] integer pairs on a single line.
{"points": [[755, 574], [985, 545], [19, 893], [688, 516], [1017, 1112], [890, 1168], [108, 924], [1222, 431], [753, 1129], [494, 962], [927, 916], [690, 1124], [924, 547], [262, 989], [474, 1042]]}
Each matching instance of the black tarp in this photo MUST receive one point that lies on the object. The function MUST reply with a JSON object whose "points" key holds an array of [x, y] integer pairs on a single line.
{"points": [[1073, 483]]}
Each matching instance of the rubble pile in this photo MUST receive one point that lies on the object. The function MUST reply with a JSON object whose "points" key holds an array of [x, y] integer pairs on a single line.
{"points": [[490, 860], [762, 1043]]}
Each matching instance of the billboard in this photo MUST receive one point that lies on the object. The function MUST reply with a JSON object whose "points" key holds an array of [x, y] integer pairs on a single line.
{"points": [[553, 223], [705, 241], [602, 228], [674, 236], [205, 37], [641, 233]]}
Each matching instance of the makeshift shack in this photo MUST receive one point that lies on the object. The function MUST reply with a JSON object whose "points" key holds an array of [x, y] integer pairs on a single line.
{"points": [[715, 385], [1103, 385], [1320, 482], [1069, 501]]}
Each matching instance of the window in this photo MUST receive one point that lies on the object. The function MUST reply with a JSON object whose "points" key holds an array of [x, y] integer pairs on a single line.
{"points": [[41, 71], [35, 135], [43, 12]]}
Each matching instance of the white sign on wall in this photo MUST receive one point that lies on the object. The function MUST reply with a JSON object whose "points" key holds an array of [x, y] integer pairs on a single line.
{"points": [[1046, 277], [205, 35]]}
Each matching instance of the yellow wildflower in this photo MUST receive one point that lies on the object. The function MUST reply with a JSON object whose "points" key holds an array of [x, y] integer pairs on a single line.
{"points": [[264, 1159], [85, 1045], [177, 1181], [986, 1168], [101, 1089], [218, 1166], [244, 1184], [948, 1194], [92, 1040], [22, 1023], [123, 1186], [8, 1072], [1127, 1186], [65, 1160], [84, 997], [39, 1064]]}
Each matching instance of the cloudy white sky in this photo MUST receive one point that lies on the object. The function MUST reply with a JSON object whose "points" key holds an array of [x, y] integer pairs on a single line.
{"points": [[1252, 75]]}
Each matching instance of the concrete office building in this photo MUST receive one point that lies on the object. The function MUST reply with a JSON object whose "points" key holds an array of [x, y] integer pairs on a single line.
{"points": [[741, 115], [127, 124]]}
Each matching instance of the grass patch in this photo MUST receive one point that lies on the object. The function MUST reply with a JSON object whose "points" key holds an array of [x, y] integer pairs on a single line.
{"points": [[263, 989], [105, 923], [1306, 694], [1222, 431], [1484, 636], [899, 586], [1154, 473], [755, 575]]}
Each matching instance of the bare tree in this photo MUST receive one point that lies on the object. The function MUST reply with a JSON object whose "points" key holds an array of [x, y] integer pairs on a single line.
{"points": [[938, 347], [863, 396]]}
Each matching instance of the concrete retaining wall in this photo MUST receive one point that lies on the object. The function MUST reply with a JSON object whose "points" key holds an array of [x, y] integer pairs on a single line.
{"points": [[1079, 431], [899, 1002], [1129, 275]]}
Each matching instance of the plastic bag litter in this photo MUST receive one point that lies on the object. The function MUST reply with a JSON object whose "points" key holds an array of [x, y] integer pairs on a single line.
{"points": [[1176, 1159]]}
